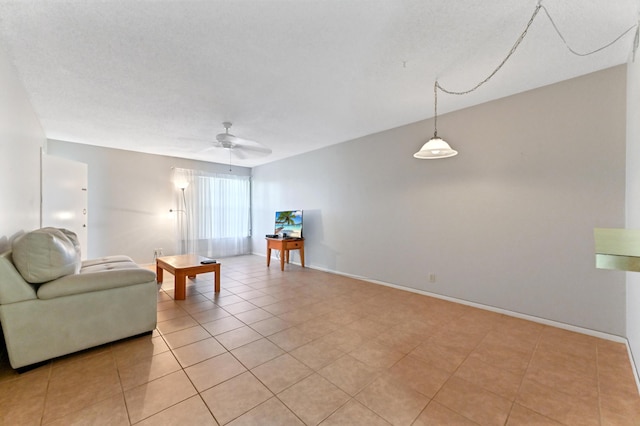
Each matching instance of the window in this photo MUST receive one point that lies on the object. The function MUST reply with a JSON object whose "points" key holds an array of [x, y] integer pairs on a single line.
{"points": [[216, 219]]}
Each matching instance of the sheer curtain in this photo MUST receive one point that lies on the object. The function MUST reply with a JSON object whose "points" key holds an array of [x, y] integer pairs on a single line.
{"points": [[216, 216]]}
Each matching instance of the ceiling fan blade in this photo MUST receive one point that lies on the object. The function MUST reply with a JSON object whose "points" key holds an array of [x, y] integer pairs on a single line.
{"points": [[256, 149], [240, 147], [239, 153], [239, 140]]}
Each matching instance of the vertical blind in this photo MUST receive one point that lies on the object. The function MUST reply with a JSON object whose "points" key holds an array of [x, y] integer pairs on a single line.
{"points": [[215, 220]]}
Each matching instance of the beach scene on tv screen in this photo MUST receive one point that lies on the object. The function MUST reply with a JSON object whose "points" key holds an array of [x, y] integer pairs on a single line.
{"points": [[289, 222]]}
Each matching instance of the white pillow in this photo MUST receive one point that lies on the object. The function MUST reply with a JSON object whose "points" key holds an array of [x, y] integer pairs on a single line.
{"points": [[46, 254], [73, 238]]}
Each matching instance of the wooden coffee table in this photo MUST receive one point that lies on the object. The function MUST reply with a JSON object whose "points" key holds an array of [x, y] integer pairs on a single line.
{"points": [[183, 266]]}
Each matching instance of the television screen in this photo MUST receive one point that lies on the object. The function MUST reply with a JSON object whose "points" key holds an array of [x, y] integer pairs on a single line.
{"points": [[289, 223]]}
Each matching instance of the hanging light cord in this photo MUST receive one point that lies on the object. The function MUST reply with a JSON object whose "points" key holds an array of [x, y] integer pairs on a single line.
{"points": [[435, 110], [555, 27], [636, 42], [517, 44]]}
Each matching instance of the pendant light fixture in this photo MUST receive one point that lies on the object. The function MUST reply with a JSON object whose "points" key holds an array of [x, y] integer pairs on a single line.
{"points": [[435, 147]]}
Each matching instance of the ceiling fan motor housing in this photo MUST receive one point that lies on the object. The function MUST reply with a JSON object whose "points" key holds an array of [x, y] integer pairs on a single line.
{"points": [[226, 140]]}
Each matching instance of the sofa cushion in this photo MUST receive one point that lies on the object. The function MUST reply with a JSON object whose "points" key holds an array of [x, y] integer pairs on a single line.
{"points": [[105, 259], [89, 267], [46, 254], [86, 282]]}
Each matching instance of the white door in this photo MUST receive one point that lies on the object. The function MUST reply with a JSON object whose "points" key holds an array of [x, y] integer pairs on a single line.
{"points": [[64, 196]]}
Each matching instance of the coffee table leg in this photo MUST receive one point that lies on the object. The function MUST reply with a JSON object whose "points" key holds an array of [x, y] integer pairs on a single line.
{"points": [[180, 286], [158, 274], [216, 287]]}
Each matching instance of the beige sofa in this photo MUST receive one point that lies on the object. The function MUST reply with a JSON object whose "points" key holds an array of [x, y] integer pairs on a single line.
{"points": [[53, 304]]}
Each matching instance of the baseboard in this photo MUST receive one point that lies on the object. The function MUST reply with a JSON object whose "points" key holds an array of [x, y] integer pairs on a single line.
{"points": [[633, 365]]}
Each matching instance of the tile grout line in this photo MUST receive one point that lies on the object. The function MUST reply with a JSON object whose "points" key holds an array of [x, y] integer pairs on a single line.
{"points": [[224, 381], [533, 352], [183, 369], [313, 371], [46, 392], [598, 382], [453, 374], [431, 399]]}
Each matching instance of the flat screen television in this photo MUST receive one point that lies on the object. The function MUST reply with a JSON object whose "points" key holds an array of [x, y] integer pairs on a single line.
{"points": [[289, 223]]}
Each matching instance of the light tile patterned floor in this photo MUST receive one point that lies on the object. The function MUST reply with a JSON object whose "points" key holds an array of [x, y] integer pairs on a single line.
{"points": [[307, 347]]}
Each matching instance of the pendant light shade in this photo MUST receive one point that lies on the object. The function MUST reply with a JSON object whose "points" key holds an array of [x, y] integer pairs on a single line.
{"points": [[435, 148]]}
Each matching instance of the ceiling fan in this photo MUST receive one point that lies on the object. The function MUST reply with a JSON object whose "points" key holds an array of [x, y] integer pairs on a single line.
{"points": [[240, 147]]}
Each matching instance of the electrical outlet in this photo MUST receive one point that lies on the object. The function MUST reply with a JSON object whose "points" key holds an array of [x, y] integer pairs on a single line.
{"points": [[432, 278]]}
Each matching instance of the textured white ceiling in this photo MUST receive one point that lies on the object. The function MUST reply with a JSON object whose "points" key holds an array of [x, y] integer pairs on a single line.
{"points": [[296, 75]]}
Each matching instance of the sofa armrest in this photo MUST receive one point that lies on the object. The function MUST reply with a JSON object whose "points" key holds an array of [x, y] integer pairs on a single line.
{"points": [[13, 288], [94, 281]]}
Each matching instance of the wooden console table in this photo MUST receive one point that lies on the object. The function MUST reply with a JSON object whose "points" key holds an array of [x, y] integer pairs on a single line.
{"points": [[183, 266], [284, 245]]}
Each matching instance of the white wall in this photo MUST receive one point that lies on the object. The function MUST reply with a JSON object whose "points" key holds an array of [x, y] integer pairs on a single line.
{"points": [[507, 223], [130, 195], [21, 138], [633, 200]]}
